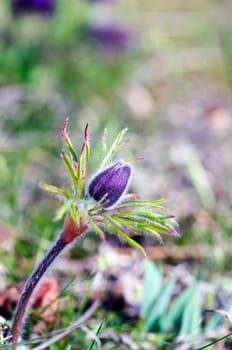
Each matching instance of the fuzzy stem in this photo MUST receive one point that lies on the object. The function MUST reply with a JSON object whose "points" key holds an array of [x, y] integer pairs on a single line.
{"points": [[31, 285]]}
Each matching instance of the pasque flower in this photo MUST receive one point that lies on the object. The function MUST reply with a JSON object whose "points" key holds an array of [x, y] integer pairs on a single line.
{"points": [[109, 185], [101, 204], [96, 205], [35, 6]]}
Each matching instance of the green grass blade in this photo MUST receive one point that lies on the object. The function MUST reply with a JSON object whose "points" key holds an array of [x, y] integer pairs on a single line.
{"points": [[176, 310], [192, 314], [160, 307], [152, 286], [93, 343]]}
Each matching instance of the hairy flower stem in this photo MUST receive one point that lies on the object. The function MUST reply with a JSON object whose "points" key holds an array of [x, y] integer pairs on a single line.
{"points": [[67, 236], [30, 286]]}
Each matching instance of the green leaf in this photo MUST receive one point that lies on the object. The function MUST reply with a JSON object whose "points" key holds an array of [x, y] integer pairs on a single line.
{"points": [[63, 210], [141, 203], [69, 168], [67, 192], [114, 148], [79, 180], [142, 223], [155, 226], [125, 220], [151, 230], [74, 213], [192, 315], [67, 140], [154, 216], [116, 227], [125, 213], [87, 154], [161, 305], [152, 286], [94, 226], [51, 189]]}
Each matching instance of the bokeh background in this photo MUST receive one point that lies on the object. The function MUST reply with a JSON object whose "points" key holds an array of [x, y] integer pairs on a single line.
{"points": [[164, 70]]}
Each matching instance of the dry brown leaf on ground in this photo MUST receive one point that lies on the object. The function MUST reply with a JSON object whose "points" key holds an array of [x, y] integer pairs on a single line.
{"points": [[44, 298]]}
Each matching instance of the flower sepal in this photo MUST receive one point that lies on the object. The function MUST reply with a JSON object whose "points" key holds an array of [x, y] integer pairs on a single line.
{"points": [[72, 230]]}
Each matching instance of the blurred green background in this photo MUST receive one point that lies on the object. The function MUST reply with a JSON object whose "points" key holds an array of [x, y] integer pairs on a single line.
{"points": [[162, 69]]}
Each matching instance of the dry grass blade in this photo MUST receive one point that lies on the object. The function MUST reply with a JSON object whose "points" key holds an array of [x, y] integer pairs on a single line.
{"points": [[222, 312], [71, 328]]}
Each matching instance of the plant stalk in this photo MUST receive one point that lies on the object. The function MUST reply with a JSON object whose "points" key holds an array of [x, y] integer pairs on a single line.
{"points": [[30, 287]]}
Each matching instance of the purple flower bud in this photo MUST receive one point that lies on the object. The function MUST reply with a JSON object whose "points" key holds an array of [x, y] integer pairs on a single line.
{"points": [[110, 184], [101, 1], [111, 37], [45, 7]]}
